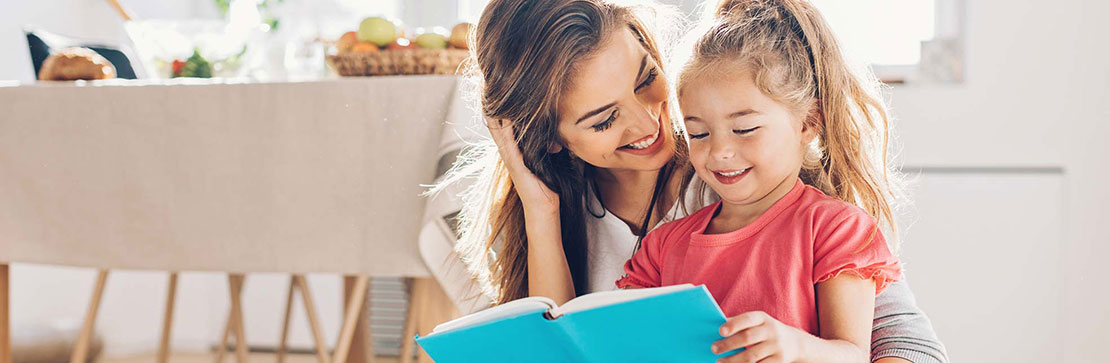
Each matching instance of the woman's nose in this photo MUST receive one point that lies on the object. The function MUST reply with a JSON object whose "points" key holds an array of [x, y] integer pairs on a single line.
{"points": [[644, 122]]}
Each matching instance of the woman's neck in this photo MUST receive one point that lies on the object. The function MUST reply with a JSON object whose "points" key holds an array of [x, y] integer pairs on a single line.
{"points": [[627, 194]]}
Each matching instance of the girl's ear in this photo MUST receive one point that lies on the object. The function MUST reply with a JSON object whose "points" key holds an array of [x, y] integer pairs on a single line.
{"points": [[813, 121], [554, 147]]}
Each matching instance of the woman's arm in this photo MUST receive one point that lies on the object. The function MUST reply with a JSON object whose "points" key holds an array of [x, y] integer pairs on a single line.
{"points": [[548, 271], [844, 307], [901, 331]]}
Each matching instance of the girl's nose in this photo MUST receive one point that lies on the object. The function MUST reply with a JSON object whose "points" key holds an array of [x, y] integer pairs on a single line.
{"points": [[721, 148]]}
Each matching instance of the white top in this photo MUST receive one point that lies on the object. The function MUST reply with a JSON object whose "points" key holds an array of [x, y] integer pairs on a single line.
{"points": [[611, 242]]}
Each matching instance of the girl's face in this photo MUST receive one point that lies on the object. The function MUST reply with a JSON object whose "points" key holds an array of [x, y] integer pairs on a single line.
{"points": [[612, 115], [742, 143]]}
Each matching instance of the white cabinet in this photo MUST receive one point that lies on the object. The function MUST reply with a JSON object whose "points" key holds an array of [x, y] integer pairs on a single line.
{"points": [[983, 253]]}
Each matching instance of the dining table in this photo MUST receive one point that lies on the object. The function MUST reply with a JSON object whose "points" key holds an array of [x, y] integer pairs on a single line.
{"points": [[226, 175]]}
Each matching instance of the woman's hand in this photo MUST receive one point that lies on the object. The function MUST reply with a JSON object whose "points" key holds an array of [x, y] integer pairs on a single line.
{"points": [[548, 271], [764, 339], [534, 194]]}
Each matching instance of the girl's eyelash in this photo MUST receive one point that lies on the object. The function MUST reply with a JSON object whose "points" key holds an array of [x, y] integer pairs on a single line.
{"points": [[604, 125], [739, 132], [652, 74], [745, 131]]}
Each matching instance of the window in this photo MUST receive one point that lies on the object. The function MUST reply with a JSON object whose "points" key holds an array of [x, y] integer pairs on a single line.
{"points": [[903, 40]]}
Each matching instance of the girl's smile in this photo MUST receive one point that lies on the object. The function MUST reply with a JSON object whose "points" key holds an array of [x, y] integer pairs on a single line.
{"points": [[744, 144], [730, 176]]}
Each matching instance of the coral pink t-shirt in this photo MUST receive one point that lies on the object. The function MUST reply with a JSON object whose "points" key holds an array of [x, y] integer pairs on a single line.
{"points": [[772, 264]]}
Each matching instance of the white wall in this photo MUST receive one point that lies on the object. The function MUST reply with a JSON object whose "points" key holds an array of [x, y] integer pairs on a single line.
{"points": [[1030, 277]]}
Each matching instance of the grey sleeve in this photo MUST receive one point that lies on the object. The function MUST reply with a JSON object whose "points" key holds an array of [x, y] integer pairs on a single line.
{"points": [[902, 330]]}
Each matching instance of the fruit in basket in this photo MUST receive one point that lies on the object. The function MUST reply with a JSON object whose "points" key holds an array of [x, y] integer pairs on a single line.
{"points": [[346, 42], [400, 43], [364, 47], [177, 66], [72, 64], [196, 66], [432, 40], [459, 34], [377, 30]]}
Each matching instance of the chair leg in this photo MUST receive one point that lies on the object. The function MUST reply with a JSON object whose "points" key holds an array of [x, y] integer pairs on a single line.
{"points": [[237, 314], [232, 317], [5, 322], [81, 351], [354, 304], [416, 299], [167, 322], [223, 340], [313, 320], [285, 322], [435, 308]]}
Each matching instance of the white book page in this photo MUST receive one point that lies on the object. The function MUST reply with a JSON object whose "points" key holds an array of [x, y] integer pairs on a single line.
{"points": [[509, 309], [605, 298]]}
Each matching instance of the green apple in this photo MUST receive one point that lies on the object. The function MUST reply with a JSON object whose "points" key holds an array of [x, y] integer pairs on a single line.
{"points": [[377, 30], [431, 40]]}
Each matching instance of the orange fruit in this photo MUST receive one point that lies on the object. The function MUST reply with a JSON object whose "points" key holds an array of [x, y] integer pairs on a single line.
{"points": [[346, 42], [364, 47]]}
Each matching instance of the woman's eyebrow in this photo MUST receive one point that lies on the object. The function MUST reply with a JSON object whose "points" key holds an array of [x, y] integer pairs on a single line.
{"points": [[595, 111], [643, 63]]}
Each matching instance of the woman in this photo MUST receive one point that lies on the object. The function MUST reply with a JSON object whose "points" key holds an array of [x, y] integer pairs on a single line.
{"points": [[588, 159]]}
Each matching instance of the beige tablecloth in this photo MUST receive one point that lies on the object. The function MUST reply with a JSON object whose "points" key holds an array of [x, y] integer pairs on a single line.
{"points": [[287, 177]]}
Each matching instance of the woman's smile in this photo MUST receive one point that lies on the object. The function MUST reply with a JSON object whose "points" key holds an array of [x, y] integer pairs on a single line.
{"points": [[646, 145]]}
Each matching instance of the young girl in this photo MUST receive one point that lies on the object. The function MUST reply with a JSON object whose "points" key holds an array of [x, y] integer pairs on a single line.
{"points": [[794, 144]]}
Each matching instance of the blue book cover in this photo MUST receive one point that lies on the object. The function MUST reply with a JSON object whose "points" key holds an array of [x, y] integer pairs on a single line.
{"points": [[668, 324]]}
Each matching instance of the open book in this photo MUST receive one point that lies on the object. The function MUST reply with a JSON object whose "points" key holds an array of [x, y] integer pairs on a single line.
{"points": [[672, 323]]}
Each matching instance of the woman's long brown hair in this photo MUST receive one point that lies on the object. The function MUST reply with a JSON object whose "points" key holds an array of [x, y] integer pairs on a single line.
{"points": [[525, 51]]}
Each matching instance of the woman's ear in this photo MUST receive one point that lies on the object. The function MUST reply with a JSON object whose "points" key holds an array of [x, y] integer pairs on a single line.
{"points": [[554, 147]]}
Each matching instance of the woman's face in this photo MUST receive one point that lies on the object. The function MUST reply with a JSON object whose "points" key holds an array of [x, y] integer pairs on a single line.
{"points": [[612, 115]]}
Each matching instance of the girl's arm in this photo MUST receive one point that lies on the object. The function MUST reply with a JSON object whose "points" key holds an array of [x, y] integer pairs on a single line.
{"points": [[845, 309], [845, 305], [548, 271]]}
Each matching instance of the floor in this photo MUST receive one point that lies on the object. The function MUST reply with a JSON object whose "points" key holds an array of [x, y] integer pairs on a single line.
{"points": [[209, 358]]}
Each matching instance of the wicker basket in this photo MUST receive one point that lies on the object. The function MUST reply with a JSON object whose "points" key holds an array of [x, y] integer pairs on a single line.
{"points": [[402, 61]]}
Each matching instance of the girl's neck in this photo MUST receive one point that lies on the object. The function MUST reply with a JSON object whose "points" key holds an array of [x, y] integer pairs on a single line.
{"points": [[627, 194], [731, 217]]}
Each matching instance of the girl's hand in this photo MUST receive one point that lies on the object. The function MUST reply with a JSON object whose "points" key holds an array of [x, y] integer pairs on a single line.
{"points": [[534, 194], [764, 339]]}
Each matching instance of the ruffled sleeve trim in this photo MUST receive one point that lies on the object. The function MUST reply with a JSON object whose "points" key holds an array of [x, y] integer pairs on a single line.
{"points": [[882, 275], [629, 282]]}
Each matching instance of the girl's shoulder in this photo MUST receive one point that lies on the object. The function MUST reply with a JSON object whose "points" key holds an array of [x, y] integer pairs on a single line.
{"points": [[820, 207]]}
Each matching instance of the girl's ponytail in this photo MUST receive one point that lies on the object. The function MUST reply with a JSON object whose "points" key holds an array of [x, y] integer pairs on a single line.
{"points": [[797, 61]]}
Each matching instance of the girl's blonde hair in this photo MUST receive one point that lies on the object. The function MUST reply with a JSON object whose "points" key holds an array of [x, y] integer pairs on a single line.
{"points": [[797, 61]]}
